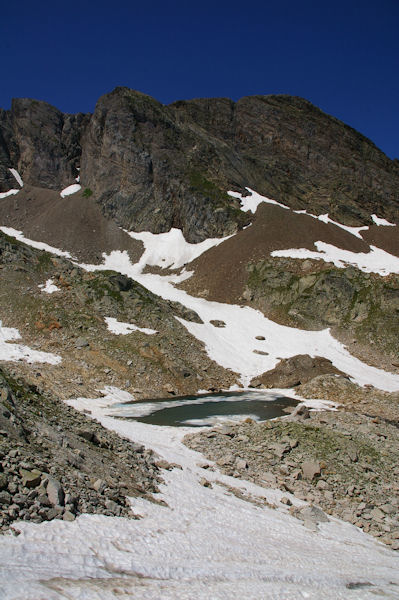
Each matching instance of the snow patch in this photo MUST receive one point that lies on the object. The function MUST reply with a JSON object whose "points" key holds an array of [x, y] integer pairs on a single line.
{"points": [[353, 230], [120, 328], [9, 193], [170, 250], [379, 221], [14, 352], [71, 189], [17, 177], [18, 235], [49, 287], [251, 202], [376, 261]]}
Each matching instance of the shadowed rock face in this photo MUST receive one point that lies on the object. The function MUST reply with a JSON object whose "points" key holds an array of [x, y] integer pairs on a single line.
{"points": [[41, 142], [153, 167]]}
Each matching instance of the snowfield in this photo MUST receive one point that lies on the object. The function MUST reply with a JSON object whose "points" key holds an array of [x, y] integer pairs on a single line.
{"points": [[170, 250], [207, 543]]}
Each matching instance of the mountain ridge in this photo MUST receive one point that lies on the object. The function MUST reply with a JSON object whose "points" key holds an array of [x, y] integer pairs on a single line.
{"points": [[152, 166]]}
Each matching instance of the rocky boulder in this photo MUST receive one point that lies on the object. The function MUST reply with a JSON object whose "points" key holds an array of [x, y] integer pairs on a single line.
{"points": [[294, 371]]}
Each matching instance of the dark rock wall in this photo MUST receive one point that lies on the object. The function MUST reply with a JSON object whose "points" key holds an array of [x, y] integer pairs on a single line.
{"points": [[154, 167]]}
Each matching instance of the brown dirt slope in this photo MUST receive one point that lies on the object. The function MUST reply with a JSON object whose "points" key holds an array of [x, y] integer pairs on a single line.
{"points": [[221, 273], [74, 223]]}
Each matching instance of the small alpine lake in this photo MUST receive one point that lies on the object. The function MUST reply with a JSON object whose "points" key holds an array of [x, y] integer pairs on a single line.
{"points": [[207, 409]]}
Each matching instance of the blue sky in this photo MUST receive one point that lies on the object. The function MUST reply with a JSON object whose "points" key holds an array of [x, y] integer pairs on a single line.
{"points": [[342, 56]]}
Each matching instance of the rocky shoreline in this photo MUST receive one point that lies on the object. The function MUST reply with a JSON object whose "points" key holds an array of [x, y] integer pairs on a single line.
{"points": [[339, 462]]}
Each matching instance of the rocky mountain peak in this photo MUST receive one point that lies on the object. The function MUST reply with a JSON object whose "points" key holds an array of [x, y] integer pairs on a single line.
{"points": [[153, 167]]}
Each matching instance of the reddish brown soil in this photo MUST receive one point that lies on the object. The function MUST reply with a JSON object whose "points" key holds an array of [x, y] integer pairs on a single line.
{"points": [[386, 238], [74, 223], [221, 273]]}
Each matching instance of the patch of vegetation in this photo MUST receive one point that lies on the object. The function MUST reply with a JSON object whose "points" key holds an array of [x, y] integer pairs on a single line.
{"points": [[101, 288], [207, 188], [44, 261], [87, 192]]}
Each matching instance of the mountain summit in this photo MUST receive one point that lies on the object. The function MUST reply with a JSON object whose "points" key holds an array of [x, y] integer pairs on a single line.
{"points": [[152, 167]]}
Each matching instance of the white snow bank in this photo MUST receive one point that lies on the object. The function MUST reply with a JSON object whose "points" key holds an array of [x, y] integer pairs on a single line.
{"points": [[170, 250], [207, 543], [120, 328], [251, 202], [17, 177], [376, 261], [14, 352], [71, 189], [12, 192], [49, 287], [9, 193], [379, 221], [353, 230], [18, 235]]}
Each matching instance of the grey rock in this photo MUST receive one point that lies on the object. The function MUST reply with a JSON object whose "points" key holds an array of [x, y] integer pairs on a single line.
{"points": [[99, 485], [217, 323], [388, 509], [30, 479], [241, 464], [311, 469], [68, 516], [5, 498], [205, 483], [53, 513], [313, 514], [55, 492], [81, 342]]}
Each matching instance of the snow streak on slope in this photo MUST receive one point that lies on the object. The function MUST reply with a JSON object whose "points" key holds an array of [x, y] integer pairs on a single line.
{"points": [[9, 193], [379, 221], [13, 352], [17, 177], [251, 202], [39, 245], [353, 230], [206, 543], [13, 191], [71, 189], [170, 250], [376, 261]]}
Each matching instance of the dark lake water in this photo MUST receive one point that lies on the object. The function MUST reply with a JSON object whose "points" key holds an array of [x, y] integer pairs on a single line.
{"points": [[199, 411]]}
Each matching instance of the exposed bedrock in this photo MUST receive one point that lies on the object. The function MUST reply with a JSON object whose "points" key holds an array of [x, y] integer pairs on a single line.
{"points": [[153, 167]]}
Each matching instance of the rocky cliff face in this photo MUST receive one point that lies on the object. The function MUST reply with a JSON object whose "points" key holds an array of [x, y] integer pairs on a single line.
{"points": [[153, 167], [41, 142]]}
